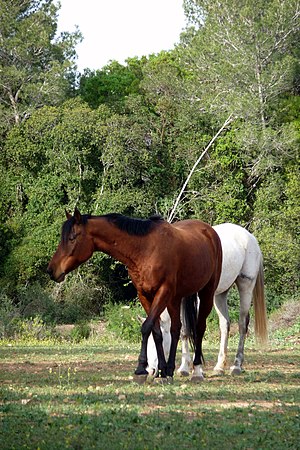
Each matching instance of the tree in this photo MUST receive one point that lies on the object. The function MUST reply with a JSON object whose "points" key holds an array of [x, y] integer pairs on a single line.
{"points": [[241, 54], [51, 161], [276, 224], [35, 65], [112, 84], [242, 58]]}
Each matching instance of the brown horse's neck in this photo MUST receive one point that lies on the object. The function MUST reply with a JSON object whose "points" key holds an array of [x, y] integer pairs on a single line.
{"points": [[108, 238]]}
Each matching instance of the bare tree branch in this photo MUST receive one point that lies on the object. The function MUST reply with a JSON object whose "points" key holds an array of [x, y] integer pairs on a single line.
{"points": [[172, 213]]}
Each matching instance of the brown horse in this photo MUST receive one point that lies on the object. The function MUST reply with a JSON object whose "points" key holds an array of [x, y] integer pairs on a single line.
{"points": [[166, 263]]}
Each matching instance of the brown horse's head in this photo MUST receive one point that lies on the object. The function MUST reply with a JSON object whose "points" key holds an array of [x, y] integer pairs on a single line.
{"points": [[76, 247]]}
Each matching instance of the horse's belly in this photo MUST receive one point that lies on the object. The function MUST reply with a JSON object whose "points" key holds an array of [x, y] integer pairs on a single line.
{"points": [[193, 277]]}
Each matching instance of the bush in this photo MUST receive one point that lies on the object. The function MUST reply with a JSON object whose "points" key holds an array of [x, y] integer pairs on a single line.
{"points": [[8, 316], [124, 320], [81, 330], [33, 328], [34, 301], [28, 329], [76, 300]]}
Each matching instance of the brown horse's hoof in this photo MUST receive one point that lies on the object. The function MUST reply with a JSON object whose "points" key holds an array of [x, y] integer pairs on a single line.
{"points": [[197, 379], [183, 374], [140, 379]]}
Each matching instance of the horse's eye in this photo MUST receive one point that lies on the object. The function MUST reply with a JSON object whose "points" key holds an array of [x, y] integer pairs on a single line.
{"points": [[73, 236]]}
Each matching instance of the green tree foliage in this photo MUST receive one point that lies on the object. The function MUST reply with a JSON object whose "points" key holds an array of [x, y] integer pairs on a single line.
{"points": [[128, 141], [112, 84], [242, 59], [52, 162], [35, 65], [241, 54]]}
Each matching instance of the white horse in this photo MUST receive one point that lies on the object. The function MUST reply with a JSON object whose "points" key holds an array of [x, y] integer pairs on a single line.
{"points": [[242, 265]]}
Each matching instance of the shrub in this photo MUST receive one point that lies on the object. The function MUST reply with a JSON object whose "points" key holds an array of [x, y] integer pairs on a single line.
{"points": [[81, 330], [78, 300], [124, 320], [29, 329], [34, 301], [8, 316]]}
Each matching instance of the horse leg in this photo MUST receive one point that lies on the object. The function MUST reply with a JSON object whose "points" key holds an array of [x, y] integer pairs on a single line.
{"points": [[175, 334], [220, 302], [152, 362], [151, 324], [206, 296], [158, 339], [184, 368], [245, 287], [142, 361], [146, 328]]}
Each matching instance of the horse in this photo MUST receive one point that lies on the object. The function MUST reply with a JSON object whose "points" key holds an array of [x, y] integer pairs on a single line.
{"points": [[166, 262], [242, 265]]}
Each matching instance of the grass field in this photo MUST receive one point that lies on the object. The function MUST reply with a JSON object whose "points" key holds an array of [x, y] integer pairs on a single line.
{"points": [[82, 396]]}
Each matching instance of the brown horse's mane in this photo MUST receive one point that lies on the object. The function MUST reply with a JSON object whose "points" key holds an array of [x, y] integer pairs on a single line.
{"points": [[135, 227]]}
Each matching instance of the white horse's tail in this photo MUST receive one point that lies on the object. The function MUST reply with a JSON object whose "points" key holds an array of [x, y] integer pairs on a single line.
{"points": [[260, 311]]}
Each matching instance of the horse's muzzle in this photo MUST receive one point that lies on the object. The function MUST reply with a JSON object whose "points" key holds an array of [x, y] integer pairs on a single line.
{"points": [[57, 279]]}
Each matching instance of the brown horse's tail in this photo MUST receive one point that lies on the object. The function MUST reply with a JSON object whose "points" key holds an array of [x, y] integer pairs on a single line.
{"points": [[260, 311]]}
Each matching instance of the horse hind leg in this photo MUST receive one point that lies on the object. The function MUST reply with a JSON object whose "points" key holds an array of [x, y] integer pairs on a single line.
{"points": [[220, 302], [184, 369], [174, 312], [245, 286]]}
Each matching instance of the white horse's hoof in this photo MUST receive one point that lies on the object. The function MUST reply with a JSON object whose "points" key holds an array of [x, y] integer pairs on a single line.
{"points": [[140, 379], [183, 373], [218, 371], [235, 370]]}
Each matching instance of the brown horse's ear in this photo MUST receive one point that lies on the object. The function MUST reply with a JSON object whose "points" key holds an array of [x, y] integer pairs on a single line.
{"points": [[68, 215], [77, 216]]}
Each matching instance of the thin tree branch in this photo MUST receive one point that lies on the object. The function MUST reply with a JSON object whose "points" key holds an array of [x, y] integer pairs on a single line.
{"points": [[172, 213]]}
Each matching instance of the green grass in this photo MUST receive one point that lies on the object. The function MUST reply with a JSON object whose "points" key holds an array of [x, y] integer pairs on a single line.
{"points": [[82, 396]]}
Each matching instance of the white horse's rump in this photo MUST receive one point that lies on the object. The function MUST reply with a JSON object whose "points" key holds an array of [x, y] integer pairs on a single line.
{"points": [[242, 265]]}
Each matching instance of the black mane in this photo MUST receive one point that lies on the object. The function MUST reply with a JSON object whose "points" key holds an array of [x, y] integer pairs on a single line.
{"points": [[135, 227], [68, 225]]}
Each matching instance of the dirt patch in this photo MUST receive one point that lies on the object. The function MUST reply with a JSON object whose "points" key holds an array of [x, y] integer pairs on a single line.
{"points": [[285, 317], [24, 367], [97, 329], [64, 330]]}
